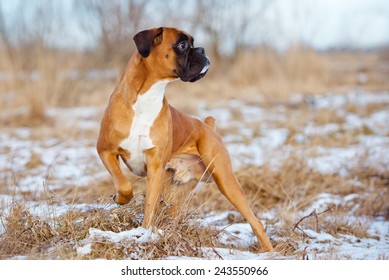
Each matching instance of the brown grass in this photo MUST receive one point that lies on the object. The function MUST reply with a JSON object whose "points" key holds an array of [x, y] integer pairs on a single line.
{"points": [[38, 238], [60, 78], [54, 78], [260, 75], [276, 75], [286, 191], [291, 188]]}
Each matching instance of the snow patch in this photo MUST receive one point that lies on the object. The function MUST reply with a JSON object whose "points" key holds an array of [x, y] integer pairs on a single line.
{"points": [[84, 250], [139, 235], [319, 236], [322, 202], [237, 235]]}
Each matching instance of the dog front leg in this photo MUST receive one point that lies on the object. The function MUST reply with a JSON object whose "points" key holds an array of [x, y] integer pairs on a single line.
{"points": [[122, 185], [154, 185]]}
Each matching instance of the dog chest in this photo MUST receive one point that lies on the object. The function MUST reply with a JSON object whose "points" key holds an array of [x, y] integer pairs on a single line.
{"points": [[146, 109]]}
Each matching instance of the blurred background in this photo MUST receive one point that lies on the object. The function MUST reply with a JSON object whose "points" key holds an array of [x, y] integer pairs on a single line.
{"points": [[71, 53], [300, 92]]}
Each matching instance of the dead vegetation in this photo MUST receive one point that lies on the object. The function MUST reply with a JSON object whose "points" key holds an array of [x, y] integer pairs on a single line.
{"points": [[289, 189], [67, 79], [286, 191], [58, 236], [37, 79]]}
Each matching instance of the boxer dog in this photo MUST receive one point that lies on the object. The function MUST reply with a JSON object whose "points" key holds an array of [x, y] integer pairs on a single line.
{"points": [[150, 136]]}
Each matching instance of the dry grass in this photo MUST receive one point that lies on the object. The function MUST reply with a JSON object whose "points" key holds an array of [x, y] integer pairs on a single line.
{"points": [[259, 75], [375, 202], [58, 79], [57, 237], [291, 187], [53, 79], [276, 75], [286, 191]]}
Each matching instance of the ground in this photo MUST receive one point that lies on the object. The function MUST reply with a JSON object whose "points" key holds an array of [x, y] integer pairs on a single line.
{"points": [[314, 167]]}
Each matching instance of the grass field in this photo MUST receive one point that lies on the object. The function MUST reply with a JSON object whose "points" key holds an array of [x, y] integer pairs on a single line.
{"points": [[309, 139]]}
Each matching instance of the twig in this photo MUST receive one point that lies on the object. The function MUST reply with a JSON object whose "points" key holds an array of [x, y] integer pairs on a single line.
{"points": [[199, 246], [303, 218], [313, 213], [214, 250]]}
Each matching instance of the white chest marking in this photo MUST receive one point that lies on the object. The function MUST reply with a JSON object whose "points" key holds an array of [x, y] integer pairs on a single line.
{"points": [[146, 109]]}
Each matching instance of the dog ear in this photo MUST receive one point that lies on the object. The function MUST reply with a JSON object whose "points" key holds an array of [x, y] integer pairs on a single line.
{"points": [[146, 39]]}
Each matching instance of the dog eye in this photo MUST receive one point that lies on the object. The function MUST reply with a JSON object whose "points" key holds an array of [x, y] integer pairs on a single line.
{"points": [[183, 45]]}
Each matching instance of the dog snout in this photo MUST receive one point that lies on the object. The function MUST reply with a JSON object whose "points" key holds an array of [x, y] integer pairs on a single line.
{"points": [[200, 51]]}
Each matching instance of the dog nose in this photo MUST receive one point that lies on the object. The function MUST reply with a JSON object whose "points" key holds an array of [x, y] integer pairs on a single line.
{"points": [[200, 51]]}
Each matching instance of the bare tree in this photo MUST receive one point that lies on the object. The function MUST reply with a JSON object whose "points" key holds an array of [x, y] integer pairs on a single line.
{"points": [[38, 66], [115, 23], [229, 25]]}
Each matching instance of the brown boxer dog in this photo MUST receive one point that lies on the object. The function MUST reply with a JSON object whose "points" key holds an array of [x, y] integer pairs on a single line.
{"points": [[150, 136]]}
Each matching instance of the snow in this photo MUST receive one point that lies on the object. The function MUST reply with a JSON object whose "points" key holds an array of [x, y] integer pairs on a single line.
{"points": [[344, 246], [379, 229], [373, 151], [326, 129], [334, 160], [269, 147], [54, 161], [323, 202], [267, 143], [139, 235], [84, 250], [319, 236], [377, 122], [215, 218], [42, 209], [339, 101], [232, 254], [237, 235], [30, 164]]}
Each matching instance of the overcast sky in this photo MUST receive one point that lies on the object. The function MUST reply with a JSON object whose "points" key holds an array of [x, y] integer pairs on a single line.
{"points": [[334, 23], [319, 23]]}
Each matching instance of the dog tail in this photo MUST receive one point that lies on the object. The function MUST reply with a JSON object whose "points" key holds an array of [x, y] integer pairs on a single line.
{"points": [[211, 121]]}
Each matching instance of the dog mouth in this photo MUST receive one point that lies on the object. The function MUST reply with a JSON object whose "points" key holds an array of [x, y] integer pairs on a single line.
{"points": [[201, 74], [205, 68], [196, 78]]}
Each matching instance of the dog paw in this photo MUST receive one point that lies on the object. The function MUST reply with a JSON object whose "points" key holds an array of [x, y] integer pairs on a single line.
{"points": [[122, 199]]}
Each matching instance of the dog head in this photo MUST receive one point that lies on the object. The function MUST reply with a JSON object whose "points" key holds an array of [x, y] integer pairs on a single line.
{"points": [[171, 54]]}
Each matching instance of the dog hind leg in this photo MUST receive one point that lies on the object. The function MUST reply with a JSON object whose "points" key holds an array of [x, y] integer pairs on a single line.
{"points": [[218, 161]]}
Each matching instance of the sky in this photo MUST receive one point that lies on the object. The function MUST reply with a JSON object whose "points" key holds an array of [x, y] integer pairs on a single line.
{"points": [[333, 23], [322, 24]]}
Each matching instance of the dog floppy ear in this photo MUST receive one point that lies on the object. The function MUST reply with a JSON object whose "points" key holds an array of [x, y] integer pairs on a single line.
{"points": [[146, 39]]}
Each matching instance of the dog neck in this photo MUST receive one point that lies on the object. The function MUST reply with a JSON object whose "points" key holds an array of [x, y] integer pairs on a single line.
{"points": [[146, 108], [137, 79]]}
